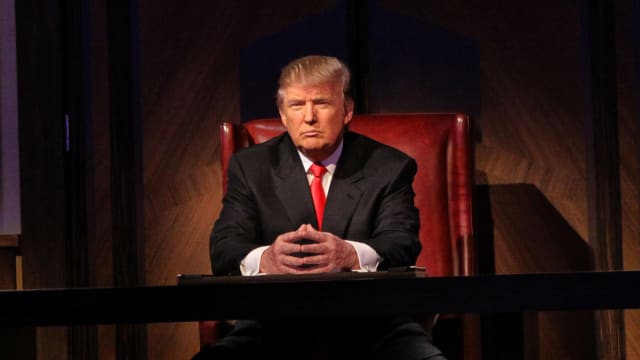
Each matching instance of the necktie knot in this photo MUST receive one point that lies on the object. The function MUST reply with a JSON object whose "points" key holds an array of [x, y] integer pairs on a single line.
{"points": [[318, 170]]}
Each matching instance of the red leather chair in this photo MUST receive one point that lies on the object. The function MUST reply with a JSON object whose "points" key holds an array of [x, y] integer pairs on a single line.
{"points": [[440, 144]]}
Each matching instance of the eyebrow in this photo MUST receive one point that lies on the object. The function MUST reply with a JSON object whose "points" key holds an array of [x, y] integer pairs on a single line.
{"points": [[294, 101], [313, 100]]}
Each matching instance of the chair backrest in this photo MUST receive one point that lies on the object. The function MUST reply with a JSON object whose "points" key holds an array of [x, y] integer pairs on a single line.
{"points": [[439, 142]]}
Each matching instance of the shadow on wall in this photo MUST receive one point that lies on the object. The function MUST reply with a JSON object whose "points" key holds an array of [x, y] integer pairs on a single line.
{"points": [[523, 232], [518, 230]]}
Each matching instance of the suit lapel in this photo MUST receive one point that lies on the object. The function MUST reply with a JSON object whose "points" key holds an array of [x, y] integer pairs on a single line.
{"points": [[292, 186], [345, 192]]}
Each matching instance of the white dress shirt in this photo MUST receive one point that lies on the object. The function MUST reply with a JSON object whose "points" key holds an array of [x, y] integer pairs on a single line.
{"points": [[368, 258]]}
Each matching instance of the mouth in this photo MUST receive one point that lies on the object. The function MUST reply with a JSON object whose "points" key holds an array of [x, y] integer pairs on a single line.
{"points": [[310, 133]]}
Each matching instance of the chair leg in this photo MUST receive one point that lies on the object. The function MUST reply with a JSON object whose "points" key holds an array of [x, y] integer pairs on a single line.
{"points": [[208, 333], [472, 337]]}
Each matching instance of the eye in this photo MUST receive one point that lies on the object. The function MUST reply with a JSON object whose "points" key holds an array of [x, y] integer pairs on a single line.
{"points": [[296, 104], [322, 103]]}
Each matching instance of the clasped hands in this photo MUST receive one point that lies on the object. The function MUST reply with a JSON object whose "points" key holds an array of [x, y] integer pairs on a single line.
{"points": [[325, 253]]}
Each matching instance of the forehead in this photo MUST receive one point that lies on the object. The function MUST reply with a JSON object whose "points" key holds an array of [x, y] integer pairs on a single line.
{"points": [[325, 89]]}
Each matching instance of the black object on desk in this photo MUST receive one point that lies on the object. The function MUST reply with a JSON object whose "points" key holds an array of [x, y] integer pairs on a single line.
{"points": [[407, 272]]}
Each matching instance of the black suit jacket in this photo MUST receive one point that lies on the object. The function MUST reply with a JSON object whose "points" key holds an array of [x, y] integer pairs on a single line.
{"points": [[370, 200]]}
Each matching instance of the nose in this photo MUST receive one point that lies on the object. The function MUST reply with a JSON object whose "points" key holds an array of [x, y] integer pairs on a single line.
{"points": [[309, 113]]}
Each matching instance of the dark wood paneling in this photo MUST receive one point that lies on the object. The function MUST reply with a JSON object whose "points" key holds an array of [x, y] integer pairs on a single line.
{"points": [[7, 268], [8, 252], [531, 121], [78, 159], [42, 144], [101, 249], [605, 222], [126, 165], [534, 106], [532, 114], [628, 80]]}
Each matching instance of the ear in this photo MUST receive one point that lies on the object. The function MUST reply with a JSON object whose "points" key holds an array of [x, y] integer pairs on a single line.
{"points": [[348, 111]]}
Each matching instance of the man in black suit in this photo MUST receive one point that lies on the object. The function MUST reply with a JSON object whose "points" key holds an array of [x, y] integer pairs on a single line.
{"points": [[274, 211]]}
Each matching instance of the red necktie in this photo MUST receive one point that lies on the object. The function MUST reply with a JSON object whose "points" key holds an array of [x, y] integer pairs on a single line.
{"points": [[317, 191]]}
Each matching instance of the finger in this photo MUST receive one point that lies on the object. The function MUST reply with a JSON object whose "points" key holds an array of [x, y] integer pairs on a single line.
{"points": [[287, 249], [315, 248], [315, 235], [280, 246], [320, 260], [292, 261], [290, 237]]}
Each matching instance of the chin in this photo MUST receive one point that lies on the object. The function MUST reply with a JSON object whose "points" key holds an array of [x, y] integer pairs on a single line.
{"points": [[312, 147]]}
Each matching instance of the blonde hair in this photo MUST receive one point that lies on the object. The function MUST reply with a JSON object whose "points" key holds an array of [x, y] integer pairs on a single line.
{"points": [[313, 70]]}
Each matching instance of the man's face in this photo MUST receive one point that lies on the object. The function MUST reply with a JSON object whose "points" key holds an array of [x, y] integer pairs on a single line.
{"points": [[315, 117]]}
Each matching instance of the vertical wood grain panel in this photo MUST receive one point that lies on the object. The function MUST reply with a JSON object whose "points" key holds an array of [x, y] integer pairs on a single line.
{"points": [[41, 126], [126, 165], [605, 227], [78, 158], [628, 79], [100, 234]]}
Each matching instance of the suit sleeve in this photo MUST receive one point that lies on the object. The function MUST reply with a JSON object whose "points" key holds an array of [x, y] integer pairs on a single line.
{"points": [[234, 233], [395, 234]]}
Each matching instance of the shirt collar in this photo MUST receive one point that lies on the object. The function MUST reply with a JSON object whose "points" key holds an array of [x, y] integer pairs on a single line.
{"points": [[330, 162]]}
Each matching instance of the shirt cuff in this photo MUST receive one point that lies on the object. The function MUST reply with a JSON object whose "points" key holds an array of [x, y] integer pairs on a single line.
{"points": [[367, 257], [250, 265]]}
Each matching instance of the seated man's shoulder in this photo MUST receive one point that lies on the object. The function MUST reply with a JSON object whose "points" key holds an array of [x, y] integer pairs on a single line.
{"points": [[377, 151], [261, 151]]}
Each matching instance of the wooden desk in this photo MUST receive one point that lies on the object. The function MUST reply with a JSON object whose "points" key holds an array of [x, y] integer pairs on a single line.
{"points": [[337, 294]]}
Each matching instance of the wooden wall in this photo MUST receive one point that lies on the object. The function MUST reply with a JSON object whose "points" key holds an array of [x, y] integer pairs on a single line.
{"points": [[533, 109], [629, 128], [530, 148], [532, 130]]}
